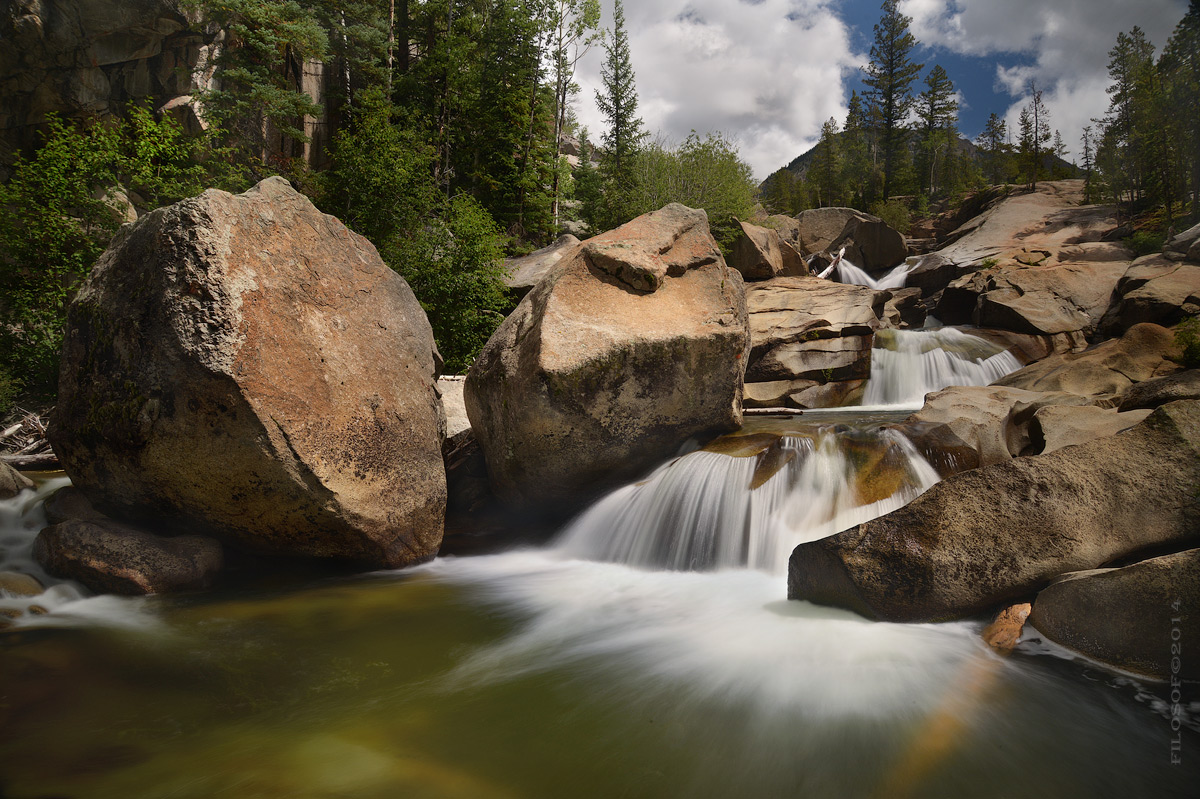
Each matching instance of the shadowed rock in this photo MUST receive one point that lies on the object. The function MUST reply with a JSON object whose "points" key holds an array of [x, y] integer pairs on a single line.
{"points": [[999, 533], [1132, 618], [115, 558]]}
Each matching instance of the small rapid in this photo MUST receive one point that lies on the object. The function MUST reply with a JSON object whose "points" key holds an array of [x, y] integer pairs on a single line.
{"points": [[908, 364], [894, 279], [710, 510]]}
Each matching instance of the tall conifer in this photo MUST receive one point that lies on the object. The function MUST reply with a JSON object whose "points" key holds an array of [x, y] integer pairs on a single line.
{"points": [[889, 76]]}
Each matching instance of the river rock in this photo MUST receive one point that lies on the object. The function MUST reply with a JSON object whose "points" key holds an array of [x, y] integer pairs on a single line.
{"points": [[1042, 300], [933, 272], [805, 329], [902, 309], [1005, 630], [522, 274], [1184, 246], [69, 503], [1143, 618], [12, 482], [18, 584], [1105, 371], [870, 243], [1153, 289], [1001, 532], [1161, 390], [1056, 426], [248, 367], [794, 264], [626, 350], [756, 252], [114, 558], [992, 420]]}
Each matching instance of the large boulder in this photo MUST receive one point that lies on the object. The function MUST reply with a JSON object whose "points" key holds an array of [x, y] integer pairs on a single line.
{"points": [[12, 482], [1039, 299], [522, 274], [1139, 618], [1153, 289], [114, 558], [1001, 532], [756, 252], [810, 341], [992, 420], [870, 242], [1107, 370], [623, 352], [1161, 390], [246, 366]]}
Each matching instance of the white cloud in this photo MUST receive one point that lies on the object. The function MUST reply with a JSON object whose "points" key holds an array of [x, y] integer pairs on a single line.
{"points": [[1068, 41], [766, 73]]}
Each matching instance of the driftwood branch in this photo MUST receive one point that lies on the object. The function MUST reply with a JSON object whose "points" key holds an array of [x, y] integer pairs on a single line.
{"points": [[41, 462]]}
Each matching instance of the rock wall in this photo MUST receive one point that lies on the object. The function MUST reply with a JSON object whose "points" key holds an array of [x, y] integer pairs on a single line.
{"points": [[88, 59]]}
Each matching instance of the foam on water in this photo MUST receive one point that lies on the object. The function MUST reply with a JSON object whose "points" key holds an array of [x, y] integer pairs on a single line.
{"points": [[63, 603], [895, 279], [908, 364], [727, 636]]}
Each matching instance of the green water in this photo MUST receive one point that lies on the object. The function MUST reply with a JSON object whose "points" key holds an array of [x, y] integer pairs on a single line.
{"points": [[355, 688]]}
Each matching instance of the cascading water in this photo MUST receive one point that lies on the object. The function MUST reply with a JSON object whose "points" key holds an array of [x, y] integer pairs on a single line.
{"points": [[908, 364], [710, 510], [895, 279]]}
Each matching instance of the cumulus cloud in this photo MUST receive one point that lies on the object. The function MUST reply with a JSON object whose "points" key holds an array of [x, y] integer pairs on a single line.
{"points": [[767, 73], [1067, 42]]}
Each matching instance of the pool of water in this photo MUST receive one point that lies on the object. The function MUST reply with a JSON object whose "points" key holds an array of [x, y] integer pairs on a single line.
{"points": [[538, 673]]}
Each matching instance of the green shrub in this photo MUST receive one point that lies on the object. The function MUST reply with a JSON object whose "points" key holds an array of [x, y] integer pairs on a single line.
{"points": [[894, 213], [1187, 338], [52, 228], [1144, 243], [8, 392]]}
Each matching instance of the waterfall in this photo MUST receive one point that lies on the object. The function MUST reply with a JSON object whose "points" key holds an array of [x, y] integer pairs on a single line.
{"points": [[709, 510], [908, 364], [849, 273]]}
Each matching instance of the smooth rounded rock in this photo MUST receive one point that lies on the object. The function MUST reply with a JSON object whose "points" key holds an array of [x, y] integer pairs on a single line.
{"points": [[114, 558]]}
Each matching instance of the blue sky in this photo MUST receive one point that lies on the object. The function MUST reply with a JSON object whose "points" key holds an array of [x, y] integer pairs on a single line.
{"points": [[769, 72]]}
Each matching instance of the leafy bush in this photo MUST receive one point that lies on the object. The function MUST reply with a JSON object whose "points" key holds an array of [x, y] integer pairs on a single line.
{"points": [[449, 251], [52, 228], [8, 392], [455, 265], [1144, 243], [894, 213], [1187, 338]]}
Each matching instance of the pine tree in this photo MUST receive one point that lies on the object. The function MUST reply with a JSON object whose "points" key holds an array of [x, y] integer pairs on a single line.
{"points": [[993, 142], [1180, 70], [890, 75], [1034, 133], [826, 173], [573, 30], [937, 110], [1087, 142], [618, 102], [857, 172]]}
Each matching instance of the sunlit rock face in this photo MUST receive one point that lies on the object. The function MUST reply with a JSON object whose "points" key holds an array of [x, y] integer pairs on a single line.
{"points": [[246, 366], [625, 350]]}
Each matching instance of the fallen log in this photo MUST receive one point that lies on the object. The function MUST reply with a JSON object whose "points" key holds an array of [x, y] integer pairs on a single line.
{"points": [[46, 461]]}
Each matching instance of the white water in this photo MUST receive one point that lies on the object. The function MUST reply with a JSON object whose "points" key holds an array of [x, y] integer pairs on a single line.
{"points": [[908, 364], [895, 279], [63, 603], [698, 512]]}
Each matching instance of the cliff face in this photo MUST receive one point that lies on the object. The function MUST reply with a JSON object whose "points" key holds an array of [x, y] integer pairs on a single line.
{"points": [[89, 58]]}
